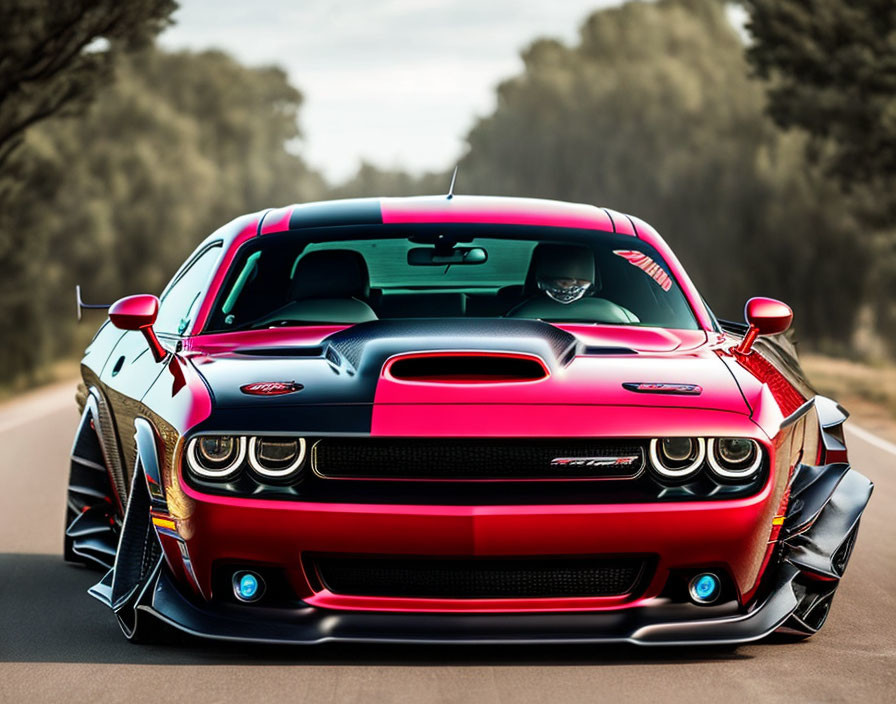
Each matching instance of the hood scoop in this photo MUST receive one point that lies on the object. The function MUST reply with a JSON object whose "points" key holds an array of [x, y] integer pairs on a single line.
{"points": [[466, 368], [485, 346]]}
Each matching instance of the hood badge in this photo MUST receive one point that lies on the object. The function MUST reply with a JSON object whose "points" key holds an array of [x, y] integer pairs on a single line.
{"points": [[658, 387], [271, 388]]}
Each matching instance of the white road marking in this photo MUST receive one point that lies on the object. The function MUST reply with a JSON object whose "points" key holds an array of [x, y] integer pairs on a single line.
{"points": [[871, 438]]}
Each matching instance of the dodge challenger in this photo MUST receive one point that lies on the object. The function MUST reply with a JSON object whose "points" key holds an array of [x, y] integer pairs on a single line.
{"points": [[454, 419]]}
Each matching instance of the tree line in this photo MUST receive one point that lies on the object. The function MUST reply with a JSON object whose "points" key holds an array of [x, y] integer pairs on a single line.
{"points": [[659, 109]]}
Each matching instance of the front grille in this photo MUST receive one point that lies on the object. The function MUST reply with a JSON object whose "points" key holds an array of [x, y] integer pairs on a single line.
{"points": [[482, 578], [467, 459]]}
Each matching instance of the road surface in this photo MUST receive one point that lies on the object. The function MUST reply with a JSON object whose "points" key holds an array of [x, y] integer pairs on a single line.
{"points": [[59, 645]]}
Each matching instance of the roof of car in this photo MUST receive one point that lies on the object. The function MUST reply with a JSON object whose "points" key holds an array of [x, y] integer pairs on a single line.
{"points": [[496, 210], [441, 209]]}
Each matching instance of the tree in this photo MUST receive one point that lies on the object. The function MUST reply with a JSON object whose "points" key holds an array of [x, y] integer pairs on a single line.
{"points": [[830, 67], [652, 112], [830, 71], [370, 180], [174, 147], [56, 53]]}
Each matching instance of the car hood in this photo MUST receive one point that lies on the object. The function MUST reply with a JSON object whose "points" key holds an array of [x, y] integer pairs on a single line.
{"points": [[583, 365]]}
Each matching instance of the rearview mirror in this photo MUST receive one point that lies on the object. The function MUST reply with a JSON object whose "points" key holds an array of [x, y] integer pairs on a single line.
{"points": [[430, 256], [139, 313], [766, 316]]}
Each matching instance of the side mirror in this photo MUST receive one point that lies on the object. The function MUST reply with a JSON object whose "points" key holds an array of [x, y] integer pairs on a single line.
{"points": [[139, 313], [766, 316]]}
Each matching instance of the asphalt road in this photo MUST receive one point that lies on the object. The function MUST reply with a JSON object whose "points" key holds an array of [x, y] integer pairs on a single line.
{"points": [[57, 644]]}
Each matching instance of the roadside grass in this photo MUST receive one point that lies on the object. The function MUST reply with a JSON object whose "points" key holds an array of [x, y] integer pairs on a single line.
{"points": [[845, 379], [60, 370], [867, 391]]}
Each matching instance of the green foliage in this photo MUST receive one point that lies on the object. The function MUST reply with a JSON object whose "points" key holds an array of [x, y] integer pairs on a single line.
{"points": [[653, 113], [47, 65], [371, 180], [831, 70], [115, 199]]}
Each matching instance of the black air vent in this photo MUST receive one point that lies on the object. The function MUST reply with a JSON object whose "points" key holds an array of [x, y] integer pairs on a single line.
{"points": [[605, 350], [470, 368], [281, 351], [483, 578]]}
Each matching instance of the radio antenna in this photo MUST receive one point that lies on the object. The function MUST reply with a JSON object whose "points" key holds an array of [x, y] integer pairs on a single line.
{"points": [[451, 187]]}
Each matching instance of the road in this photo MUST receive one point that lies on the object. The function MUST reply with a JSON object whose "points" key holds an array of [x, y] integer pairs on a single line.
{"points": [[57, 644]]}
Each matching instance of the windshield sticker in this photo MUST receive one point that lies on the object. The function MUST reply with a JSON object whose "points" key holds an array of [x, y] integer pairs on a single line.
{"points": [[646, 264]]}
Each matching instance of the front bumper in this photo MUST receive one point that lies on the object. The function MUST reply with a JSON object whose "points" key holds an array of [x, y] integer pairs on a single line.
{"points": [[797, 587], [731, 537], [655, 623]]}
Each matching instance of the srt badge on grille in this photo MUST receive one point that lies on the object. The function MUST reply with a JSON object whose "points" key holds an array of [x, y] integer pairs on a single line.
{"points": [[626, 461]]}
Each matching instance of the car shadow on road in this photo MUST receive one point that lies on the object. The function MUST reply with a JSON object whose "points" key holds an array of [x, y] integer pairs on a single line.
{"points": [[47, 616]]}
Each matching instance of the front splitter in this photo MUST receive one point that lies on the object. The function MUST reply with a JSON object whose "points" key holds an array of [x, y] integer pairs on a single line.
{"points": [[659, 625]]}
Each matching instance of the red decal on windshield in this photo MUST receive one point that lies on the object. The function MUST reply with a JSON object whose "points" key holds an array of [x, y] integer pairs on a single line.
{"points": [[646, 264]]}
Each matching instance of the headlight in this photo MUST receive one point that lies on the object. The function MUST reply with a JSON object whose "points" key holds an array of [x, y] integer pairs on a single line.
{"points": [[676, 458], [734, 458], [276, 457], [215, 456]]}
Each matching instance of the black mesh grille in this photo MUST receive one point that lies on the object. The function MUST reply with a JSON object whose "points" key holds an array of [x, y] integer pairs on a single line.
{"points": [[478, 578], [471, 459]]}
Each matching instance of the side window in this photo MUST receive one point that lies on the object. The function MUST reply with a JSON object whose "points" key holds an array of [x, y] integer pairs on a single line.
{"points": [[181, 300]]}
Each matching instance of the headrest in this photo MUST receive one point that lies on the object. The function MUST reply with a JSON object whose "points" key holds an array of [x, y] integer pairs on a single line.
{"points": [[331, 273], [562, 261]]}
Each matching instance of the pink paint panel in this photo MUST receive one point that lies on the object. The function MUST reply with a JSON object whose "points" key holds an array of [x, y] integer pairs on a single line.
{"points": [[621, 222], [500, 211], [180, 395], [586, 381], [276, 220], [642, 339], [517, 420], [328, 600]]}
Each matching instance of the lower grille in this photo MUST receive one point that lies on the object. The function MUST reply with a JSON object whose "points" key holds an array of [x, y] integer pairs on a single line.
{"points": [[470, 459], [482, 578]]}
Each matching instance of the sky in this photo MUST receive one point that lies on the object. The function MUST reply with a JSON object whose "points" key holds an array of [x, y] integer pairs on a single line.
{"points": [[394, 82]]}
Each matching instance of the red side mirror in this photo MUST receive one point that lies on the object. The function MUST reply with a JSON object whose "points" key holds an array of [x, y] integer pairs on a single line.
{"points": [[766, 316], [139, 313]]}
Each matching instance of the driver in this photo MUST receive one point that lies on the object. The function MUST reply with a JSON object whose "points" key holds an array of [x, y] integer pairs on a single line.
{"points": [[564, 272], [567, 280]]}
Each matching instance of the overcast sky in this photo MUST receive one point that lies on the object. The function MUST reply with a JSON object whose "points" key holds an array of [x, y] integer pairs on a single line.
{"points": [[396, 82]]}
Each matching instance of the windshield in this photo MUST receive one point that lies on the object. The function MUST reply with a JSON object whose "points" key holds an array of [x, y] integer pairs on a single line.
{"points": [[311, 278]]}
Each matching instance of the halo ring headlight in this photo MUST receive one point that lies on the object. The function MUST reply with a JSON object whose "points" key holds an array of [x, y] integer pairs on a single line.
{"points": [[195, 463], [676, 472], [279, 472], [744, 472]]}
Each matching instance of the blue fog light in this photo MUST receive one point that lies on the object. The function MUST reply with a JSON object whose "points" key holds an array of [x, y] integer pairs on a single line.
{"points": [[705, 588], [247, 586]]}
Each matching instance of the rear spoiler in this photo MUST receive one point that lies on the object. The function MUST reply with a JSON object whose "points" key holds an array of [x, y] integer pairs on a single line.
{"points": [[87, 306]]}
